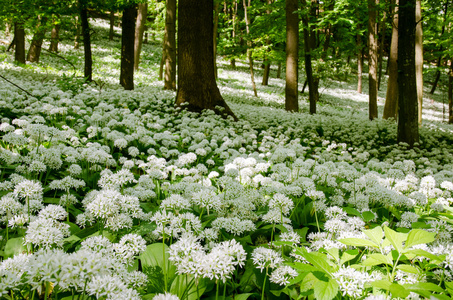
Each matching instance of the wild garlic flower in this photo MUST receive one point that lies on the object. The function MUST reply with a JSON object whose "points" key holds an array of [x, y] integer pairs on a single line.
{"points": [[46, 233], [166, 296], [265, 258], [28, 189], [351, 282], [105, 286], [233, 225], [129, 246], [282, 275], [206, 198], [281, 203], [175, 202]]}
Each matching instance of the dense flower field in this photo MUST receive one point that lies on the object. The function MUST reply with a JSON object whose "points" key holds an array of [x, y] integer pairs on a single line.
{"points": [[112, 194]]}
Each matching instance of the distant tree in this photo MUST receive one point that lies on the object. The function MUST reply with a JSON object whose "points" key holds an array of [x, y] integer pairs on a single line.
{"points": [[55, 36], [391, 98], [292, 54], [407, 83], [88, 70], [139, 29], [127, 46], [34, 52], [372, 59], [19, 38], [197, 88]]}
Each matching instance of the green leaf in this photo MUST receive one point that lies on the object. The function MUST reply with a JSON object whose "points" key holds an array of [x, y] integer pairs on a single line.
{"points": [[419, 252], [408, 269], [14, 246], [244, 296], [376, 234], [420, 225], [184, 287], [326, 290], [357, 242], [367, 216], [334, 252], [419, 236], [395, 238], [153, 257], [348, 255], [309, 282], [352, 211], [318, 260], [398, 291], [377, 259], [428, 286], [381, 284]]}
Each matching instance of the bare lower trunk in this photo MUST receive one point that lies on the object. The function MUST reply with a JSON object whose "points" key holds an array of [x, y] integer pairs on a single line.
{"points": [[34, 52], [372, 59], [77, 33], [267, 68], [112, 25], [216, 26], [359, 64], [249, 50], [127, 47], [139, 29], [19, 37], [88, 72], [419, 58], [292, 55], [450, 95], [54, 38], [170, 46]]}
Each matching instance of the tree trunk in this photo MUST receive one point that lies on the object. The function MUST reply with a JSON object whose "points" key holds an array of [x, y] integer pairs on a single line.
{"points": [[359, 63], [329, 7], [292, 55], [382, 32], [34, 51], [313, 94], [77, 33], [54, 38], [127, 47], [112, 25], [372, 59], [249, 47], [419, 58], [88, 73], [139, 29], [170, 46], [407, 82], [216, 29], [19, 37], [439, 60], [197, 87], [162, 60], [266, 62], [450, 94], [391, 98]]}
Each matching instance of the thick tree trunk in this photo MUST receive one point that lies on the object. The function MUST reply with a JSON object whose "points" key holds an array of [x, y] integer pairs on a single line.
{"points": [[419, 58], [112, 25], [54, 38], [139, 29], [292, 55], [127, 47], [19, 37], [372, 59], [197, 87], [266, 71], [391, 98], [88, 72], [249, 47], [407, 82], [170, 46], [214, 35], [77, 33], [34, 51]]}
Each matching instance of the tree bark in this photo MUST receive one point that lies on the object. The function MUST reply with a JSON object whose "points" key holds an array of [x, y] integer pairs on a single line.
{"points": [[112, 25], [391, 98], [266, 62], [407, 82], [197, 88], [313, 94], [372, 59], [450, 94], [292, 56], [54, 38], [249, 47], [139, 29], [382, 33], [162, 60], [215, 32], [34, 51], [170, 46], [127, 47], [19, 37], [419, 58], [88, 72], [359, 63], [77, 33]]}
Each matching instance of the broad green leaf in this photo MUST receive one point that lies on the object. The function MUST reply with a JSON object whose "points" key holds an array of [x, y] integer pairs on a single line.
{"points": [[368, 216], [318, 260], [420, 225], [408, 269], [326, 290], [376, 234], [419, 252], [302, 267], [153, 257], [395, 238], [352, 211], [334, 252], [185, 287], [14, 246], [428, 286], [381, 284], [243, 296], [357, 242], [348, 255], [398, 291], [377, 259], [419, 236], [309, 282]]}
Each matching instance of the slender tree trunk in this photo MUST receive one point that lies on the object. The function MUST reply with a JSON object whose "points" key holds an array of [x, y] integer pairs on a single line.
{"points": [[372, 59], [34, 51], [450, 94], [439, 60], [249, 47], [127, 47], [382, 32], [77, 33], [54, 38], [216, 29], [19, 37], [407, 81], [162, 60], [267, 63], [329, 6], [359, 63], [312, 87], [112, 25], [292, 55], [88, 73], [419, 58], [233, 33], [391, 98], [170, 46], [197, 87], [8, 28], [139, 28]]}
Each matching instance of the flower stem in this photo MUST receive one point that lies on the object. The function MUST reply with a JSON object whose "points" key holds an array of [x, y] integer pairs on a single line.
{"points": [[264, 285]]}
